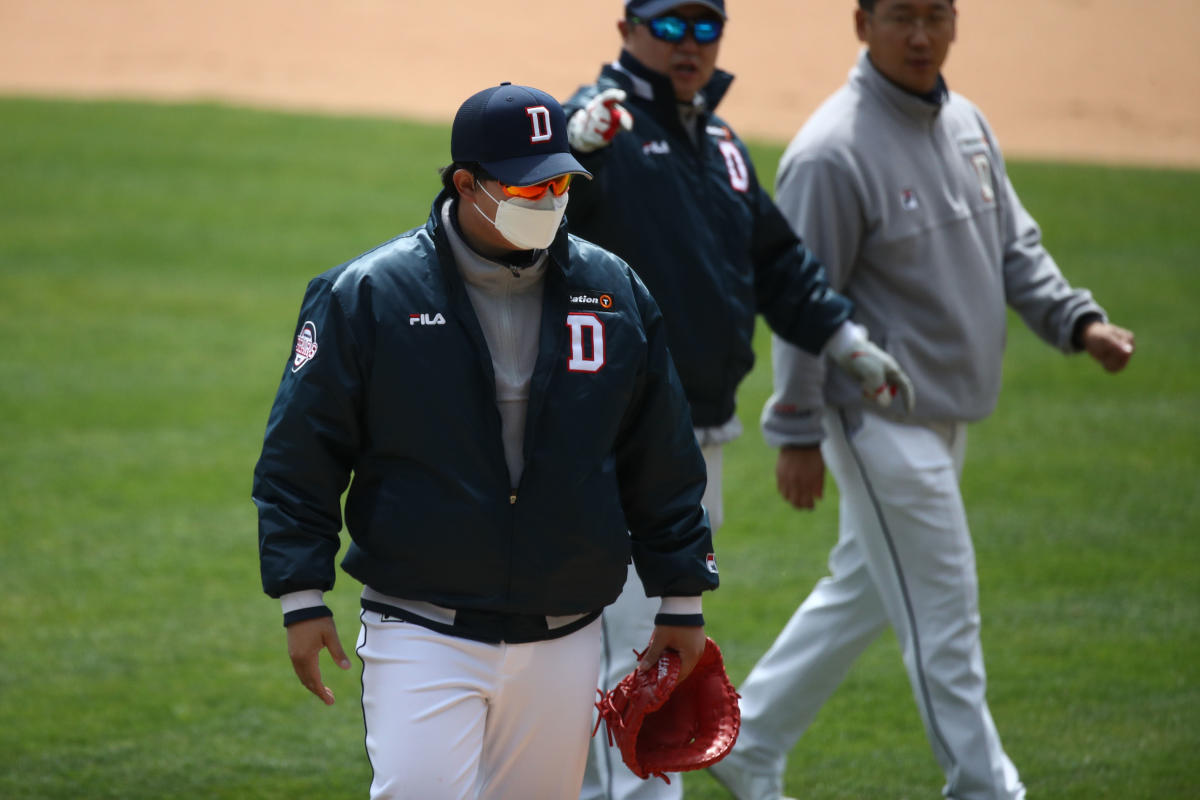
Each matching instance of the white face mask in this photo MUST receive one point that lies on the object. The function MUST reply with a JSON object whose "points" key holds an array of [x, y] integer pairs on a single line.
{"points": [[528, 224]]}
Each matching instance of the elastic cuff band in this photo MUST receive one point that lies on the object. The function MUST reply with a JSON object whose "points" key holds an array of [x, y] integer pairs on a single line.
{"points": [[844, 338], [304, 598], [302, 614], [681, 604], [682, 620]]}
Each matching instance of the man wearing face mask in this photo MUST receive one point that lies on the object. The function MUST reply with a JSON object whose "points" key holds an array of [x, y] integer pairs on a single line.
{"points": [[676, 195], [502, 395]]}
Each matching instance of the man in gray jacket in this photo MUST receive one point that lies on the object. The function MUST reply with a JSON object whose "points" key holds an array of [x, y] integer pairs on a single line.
{"points": [[898, 186]]}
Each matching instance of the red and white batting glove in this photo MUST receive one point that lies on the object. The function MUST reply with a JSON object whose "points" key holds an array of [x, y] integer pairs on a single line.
{"points": [[877, 372], [595, 125]]}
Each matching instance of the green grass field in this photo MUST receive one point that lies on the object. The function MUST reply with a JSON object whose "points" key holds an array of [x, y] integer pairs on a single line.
{"points": [[152, 261]]}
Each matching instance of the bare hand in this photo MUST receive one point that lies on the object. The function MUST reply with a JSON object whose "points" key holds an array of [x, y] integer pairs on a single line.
{"points": [[1112, 346], [687, 640], [305, 641], [800, 476]]}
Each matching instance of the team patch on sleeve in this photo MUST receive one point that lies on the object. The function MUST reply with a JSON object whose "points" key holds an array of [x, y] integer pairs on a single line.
{"points": [[306, 346]]}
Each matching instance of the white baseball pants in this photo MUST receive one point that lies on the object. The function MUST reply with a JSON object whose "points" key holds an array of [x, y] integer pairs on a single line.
{"points": [[628, 624], [454, 719], [904, 557]]}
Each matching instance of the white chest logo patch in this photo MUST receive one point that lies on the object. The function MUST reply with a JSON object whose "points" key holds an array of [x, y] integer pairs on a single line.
{"points": [[739, 176], [306, 346], [426, 319], [587, 342], [983, 168], [908, 200]]}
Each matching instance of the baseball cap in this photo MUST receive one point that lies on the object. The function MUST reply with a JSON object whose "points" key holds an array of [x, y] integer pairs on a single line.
{"points": [[517, 133], [652, 8]]}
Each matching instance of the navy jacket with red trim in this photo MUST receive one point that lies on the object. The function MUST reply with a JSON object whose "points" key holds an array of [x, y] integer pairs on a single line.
{"points": [[391, 385]]}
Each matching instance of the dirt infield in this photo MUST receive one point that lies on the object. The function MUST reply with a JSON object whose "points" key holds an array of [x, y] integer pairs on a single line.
{"points": [[1107, 80]]}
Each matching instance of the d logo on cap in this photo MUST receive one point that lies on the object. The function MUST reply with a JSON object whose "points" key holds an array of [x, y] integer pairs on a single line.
{"points": [[540, 117], [517, 133]]}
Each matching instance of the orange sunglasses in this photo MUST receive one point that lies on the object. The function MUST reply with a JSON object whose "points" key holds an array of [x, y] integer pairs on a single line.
{"points": [[537, 191]]}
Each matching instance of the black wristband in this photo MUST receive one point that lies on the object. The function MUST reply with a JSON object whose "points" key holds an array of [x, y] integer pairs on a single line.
{"points": [[683, 620], [302, 614]]}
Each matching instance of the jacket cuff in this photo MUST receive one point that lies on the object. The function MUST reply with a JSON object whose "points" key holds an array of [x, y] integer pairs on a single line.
{"points": [[785, 425], [1085, 319], [845, 337], [692, 604], [315, 612], [680, 611], [681, 620], [302, 605]]}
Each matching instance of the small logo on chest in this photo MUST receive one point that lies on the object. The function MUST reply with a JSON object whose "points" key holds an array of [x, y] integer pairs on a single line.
{"points": [[426, 319], [908, 200], [983, 169], [591, 301]]}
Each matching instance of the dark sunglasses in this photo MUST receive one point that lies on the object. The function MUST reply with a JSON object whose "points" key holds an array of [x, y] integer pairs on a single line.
{"points": [[671, 28]]}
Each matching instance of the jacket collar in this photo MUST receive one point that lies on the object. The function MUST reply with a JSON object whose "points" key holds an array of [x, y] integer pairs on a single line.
{"points": [[917, 107], [559, 249], [656, 90]]}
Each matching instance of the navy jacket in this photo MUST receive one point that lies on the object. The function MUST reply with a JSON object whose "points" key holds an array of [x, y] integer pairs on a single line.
{"points": [[703, 234], [391, 383]]}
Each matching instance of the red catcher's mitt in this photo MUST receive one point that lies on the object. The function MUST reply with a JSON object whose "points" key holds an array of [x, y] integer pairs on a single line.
{"points": [[663, 726]]}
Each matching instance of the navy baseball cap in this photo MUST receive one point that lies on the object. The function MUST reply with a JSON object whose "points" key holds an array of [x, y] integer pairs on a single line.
{"points": [[517, 133], [652, 8]]}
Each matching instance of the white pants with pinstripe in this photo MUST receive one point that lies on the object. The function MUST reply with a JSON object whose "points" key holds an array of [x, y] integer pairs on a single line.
{"points": [[904, 558], [452, 719]]}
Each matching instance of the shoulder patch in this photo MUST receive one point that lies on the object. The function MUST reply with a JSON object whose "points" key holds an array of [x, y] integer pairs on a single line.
{"points": [[306, 346]]}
